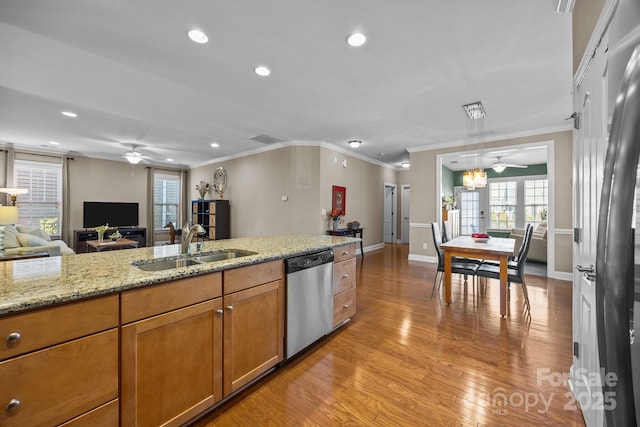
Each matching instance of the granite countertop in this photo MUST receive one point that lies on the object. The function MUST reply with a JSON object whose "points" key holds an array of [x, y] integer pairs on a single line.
{"points": [[41, 282]]}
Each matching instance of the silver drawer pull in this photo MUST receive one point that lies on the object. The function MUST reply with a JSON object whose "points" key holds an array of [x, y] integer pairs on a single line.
{"points": [[345, 253], [14, 337], [220, 311], [12, 406], [229, 307], [345, 306], [345, 276]]}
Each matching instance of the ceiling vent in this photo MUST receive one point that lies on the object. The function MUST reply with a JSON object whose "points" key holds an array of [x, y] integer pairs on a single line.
{"points": [[266, 139]]}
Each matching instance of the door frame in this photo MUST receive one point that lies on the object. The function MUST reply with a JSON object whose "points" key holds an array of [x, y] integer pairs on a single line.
{"points": [[394, 204], [550, 144]]}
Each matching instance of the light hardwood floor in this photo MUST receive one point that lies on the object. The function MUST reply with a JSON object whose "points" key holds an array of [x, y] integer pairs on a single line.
{"points": [[409, 360]]}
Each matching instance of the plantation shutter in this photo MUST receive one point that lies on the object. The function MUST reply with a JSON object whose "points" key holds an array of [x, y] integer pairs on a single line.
{"points": [[41, 207]]}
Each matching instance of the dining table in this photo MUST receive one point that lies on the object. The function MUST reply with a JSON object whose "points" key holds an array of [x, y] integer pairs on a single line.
{"points": [[493, 248]]}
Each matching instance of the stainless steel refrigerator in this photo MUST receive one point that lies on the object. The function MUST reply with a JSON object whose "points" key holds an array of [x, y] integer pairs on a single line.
{"points": [[618, 258]]}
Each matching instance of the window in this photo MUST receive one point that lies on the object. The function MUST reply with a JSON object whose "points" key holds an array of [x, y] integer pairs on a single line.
{"points": [[166, 199], [535, 201], [503, 203], [42, 206]]}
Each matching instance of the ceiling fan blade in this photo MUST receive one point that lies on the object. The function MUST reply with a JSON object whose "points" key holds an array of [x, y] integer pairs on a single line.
{"points": [[516, 166]]}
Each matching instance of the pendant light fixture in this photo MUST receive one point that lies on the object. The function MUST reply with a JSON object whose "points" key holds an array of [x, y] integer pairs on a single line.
{"points": [[475, 177]]}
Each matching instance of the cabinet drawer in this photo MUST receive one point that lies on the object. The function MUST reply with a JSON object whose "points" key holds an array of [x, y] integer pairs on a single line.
{"points": [[46, 327], [60, 382], [344, 306], [344, 275], [341, 253], [104, 416], [146, 302], [253, 275]]}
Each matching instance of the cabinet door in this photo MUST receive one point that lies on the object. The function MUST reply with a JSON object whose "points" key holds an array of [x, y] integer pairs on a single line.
{"points": [[50, 386], [253, 333], [172, 365]]}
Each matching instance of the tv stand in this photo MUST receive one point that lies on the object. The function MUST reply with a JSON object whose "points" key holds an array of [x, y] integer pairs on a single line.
{"points": [[133, 233]]}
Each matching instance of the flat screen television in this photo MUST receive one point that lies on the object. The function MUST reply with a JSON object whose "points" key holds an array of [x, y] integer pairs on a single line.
{"points": [[116, 214]]}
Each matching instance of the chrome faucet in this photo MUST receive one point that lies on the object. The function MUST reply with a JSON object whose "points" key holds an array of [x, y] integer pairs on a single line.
{"points": [[186, 240]]}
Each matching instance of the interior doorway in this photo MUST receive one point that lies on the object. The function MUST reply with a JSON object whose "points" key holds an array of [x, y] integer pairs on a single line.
{"points": [[404, 195], [389, 223]]}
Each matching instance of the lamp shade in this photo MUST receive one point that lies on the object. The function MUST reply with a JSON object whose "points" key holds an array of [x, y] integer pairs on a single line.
{"points": [[8, 215]]}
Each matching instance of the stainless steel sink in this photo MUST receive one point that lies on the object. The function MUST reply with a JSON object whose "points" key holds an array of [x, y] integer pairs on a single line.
{"points": [[219, 256], [167, 264], [178, 261]]}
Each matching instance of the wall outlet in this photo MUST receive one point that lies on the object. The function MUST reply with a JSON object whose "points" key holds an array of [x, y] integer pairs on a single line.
{"points": [[424, 246]]}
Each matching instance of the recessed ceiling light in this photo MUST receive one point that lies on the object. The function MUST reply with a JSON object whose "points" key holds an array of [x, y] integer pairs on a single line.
{"points": [[262, 71], [405, 164], [356, 39], [169, 159], [215, 145], [54, 143], [198, 36], [355, 143], [69, 114]]}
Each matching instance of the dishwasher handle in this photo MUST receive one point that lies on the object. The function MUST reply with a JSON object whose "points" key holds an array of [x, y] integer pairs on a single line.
{"points": [[308, 261]]}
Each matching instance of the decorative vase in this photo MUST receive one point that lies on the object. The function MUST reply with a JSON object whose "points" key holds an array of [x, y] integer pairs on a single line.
{"points": [[202, 194], [100, 237], [336, 224]]}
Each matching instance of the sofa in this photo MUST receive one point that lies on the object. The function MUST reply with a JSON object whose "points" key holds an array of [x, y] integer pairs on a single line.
{"points": [[538, 247], [19, 240]]}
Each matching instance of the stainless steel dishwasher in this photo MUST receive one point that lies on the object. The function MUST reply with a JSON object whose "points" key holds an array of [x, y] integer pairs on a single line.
{"points": [[309, 299]]}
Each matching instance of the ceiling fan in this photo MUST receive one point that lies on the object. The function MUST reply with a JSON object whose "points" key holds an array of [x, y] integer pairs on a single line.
{"points": [[500, 166], [134, 157]]}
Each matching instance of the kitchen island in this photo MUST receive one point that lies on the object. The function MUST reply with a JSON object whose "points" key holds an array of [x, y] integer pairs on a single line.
{"points": [[93, 339]]}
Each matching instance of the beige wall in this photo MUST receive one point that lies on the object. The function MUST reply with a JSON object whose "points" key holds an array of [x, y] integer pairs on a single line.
{"points": [[305, 175], [584, 18], [105, 181], [425, 198]]}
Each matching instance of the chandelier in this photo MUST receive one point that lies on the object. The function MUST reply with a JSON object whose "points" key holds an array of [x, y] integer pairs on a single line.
{"points": [[475, 177]]}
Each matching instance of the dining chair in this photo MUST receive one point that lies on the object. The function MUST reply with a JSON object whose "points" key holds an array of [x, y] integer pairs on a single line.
{"points": [[458, 265], [514, 274], [513, 261]]}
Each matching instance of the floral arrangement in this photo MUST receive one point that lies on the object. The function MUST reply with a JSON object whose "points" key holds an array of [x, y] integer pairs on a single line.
{"points": [[335, 214], [116, 235], [203, 188], [101, 228]]}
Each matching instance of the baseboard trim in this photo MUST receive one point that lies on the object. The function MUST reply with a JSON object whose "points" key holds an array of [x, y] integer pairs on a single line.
{"points": [[560, 275], [372, 248], [423, 258]]}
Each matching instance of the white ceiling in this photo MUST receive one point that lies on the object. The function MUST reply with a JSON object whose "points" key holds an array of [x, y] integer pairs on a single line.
{"points": [[132, 76]]}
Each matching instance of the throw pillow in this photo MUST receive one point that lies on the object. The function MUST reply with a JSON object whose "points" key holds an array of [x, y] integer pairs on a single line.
{"points": [[10, 240], [35, 231], [10, 229], [27, 239]]}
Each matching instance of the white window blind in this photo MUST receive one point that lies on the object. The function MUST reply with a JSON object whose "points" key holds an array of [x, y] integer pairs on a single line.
{"points": [[166, 199], [535, 200], [503, 204], [41, 207]]}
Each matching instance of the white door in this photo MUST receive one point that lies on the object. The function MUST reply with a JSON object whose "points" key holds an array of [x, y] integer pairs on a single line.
{"points": [[470, 203], [588, 158], [389, 208], [405, 214]]}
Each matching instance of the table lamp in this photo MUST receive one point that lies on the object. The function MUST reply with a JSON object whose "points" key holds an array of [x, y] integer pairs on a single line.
{"points": [[8, 215], [14, 193]]}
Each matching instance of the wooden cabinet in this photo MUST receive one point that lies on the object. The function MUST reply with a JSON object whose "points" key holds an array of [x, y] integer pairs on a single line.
{"points": [[171, 351], [60, 365], [344, 284], [80, 237], [214, 216], [253, 322]]}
